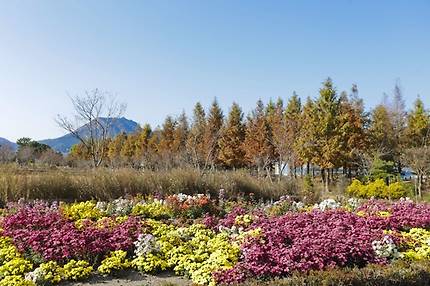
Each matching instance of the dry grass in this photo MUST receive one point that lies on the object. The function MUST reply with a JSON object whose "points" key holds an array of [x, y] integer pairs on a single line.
{"points": [[105, 184]]}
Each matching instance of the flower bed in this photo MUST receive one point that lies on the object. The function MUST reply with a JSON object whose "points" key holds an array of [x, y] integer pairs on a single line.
{"points": [[209, 241]]}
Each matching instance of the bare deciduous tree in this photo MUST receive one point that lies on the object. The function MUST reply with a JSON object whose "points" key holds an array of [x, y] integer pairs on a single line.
{"points": [[7, 154], [51, 158], [418, 159], [95, 115]]}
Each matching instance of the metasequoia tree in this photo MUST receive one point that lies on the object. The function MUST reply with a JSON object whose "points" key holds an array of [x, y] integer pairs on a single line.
{"points": [[306, 143], [328, 137], [257, 145], [142, 143], [212, 134], [95, 115], [353, 123], [417, 132], [381, 132], [114, 149], [195, 142], [292, 127], [232, 153]]}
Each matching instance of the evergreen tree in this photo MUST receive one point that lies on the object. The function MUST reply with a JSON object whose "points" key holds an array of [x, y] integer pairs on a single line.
{"points": [[231, 153]]}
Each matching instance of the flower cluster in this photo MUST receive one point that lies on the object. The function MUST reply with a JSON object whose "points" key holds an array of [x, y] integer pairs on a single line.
{"points": [[385, 248], [416, 243], [190, 206], [328, 204], [44, 244]]}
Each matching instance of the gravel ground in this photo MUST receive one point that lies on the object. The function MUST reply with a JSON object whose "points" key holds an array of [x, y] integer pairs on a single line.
{"points": [[134, 279]]}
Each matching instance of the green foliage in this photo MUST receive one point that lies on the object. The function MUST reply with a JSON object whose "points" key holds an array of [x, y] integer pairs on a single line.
{"points": [[381, 169]]}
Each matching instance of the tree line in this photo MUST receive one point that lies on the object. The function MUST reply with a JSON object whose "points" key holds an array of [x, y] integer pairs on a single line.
{"points": [[331, 132]]}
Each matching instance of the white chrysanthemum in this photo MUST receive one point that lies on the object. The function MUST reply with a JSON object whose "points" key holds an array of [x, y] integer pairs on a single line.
{"points": [[36, 275], [385, 248], [146, 243], [328, 204]]}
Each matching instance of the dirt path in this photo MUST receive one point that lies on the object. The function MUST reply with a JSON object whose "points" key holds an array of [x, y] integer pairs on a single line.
{"points": [[134, 279]]}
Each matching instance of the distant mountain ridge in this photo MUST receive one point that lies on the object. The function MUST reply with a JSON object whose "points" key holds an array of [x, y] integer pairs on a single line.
{"points": [[64, 143], [5, 142]]}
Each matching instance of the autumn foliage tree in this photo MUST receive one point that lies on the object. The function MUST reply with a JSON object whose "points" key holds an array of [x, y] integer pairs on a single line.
{"points": [[257, 144], [232, 153], [325, 134], [212, 134]]}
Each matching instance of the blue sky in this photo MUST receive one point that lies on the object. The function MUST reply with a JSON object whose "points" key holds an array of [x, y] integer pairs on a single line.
{"points": [[161, 57]]}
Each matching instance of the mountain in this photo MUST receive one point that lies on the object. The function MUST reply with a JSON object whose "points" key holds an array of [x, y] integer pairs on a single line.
{"points": [[64, 143], [6, 142]]}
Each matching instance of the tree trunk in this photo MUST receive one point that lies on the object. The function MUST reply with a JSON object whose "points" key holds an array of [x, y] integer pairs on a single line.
{"points": [[420, 181]]}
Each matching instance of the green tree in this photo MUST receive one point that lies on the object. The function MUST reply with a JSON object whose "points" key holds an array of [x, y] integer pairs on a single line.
{"points": [[30, 150], [306, 143], [292, 124], [328, 137], [232, 154]]}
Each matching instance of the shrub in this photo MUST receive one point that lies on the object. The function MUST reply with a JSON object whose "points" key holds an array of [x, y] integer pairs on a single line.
{"points": [[377, 189]]}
